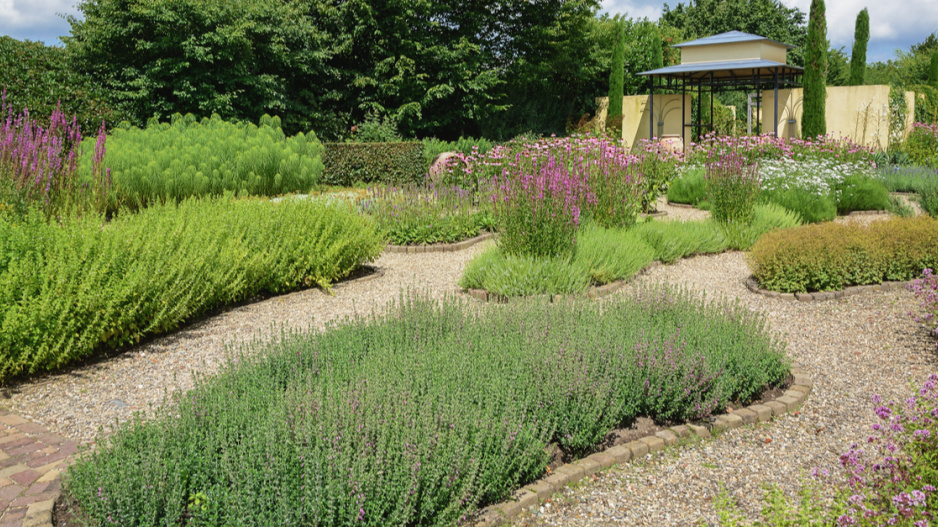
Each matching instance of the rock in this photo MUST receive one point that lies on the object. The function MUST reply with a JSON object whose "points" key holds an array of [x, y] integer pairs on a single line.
{"points": [[439, 164]]}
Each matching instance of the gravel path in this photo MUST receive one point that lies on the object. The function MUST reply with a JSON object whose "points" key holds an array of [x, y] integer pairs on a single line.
{"points": [[854, 347], [75, 404]]}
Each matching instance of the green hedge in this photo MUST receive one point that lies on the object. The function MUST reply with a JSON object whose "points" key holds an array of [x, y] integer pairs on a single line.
{"points": [[373, 163], [420, 416], [70, 290], [832, 256]]}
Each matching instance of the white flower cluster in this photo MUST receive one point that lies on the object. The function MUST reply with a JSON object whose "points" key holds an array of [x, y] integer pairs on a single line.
{"points": [[816, 176]]}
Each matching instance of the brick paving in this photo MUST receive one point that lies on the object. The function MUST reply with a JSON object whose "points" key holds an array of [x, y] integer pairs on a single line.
{"points": [[31, 459]]}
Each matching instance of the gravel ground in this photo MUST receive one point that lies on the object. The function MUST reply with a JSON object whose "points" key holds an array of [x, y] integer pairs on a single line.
{"points": [[854, 347], [75, 404]]}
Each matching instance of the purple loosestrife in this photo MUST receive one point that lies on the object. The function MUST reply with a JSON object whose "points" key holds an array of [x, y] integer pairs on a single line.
{"points": [[732, 186], [39, 164]]}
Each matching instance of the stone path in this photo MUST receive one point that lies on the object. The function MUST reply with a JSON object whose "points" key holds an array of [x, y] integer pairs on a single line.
{"points": [[31, 459]]}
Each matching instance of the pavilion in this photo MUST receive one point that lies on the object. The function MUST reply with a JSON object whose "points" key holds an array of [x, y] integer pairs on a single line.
{"points": [[729, 61]]}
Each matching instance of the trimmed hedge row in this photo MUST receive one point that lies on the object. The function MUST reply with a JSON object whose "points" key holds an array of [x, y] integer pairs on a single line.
{"points": [[67, 291], [389, 163], [420, 416], [832, 256]]}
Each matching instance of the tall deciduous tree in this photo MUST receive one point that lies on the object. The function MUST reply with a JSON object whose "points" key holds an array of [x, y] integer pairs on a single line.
{"points": [[617, 74], [861, 37], [814, 120]]}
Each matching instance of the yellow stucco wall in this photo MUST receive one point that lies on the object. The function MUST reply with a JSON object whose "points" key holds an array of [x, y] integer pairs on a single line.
{"points": [[860, 113], [735, 51], [635, 112]]}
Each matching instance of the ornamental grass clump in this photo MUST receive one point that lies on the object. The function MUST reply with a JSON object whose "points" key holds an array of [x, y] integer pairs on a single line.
{"points": [[422, 415], [426, 214], [39, 164], [732, 188]]}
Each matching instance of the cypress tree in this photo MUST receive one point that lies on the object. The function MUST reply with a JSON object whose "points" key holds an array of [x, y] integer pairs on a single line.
{"points": [[814, 121], [861, 37], [657, 56], [617, 75], [933, 69]]}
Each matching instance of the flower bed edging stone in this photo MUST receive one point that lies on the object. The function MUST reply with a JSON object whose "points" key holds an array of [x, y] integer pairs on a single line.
{"points": [[531, 495], [681, 205], [867, 212], [440, 247], [753, 286], [596, 291]]}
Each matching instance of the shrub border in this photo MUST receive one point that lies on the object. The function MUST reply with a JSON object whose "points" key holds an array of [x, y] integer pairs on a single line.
{"points": [[821, 296], [596, 291], [439, 247], [532, 494]]}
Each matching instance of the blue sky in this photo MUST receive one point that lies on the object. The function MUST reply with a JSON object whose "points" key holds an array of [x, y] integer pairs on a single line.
{"points": [[894, 24]]}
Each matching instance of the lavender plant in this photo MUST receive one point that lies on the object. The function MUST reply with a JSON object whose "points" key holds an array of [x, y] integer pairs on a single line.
{"points": [[417, 416]]}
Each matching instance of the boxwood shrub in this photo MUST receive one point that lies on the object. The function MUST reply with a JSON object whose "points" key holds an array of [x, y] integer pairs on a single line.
{"points": [[831, 256], [73, 289], [420, 416], [389, 163]]}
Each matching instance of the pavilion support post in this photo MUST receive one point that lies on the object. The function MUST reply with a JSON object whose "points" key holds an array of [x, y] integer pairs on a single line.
{"points": [[651, 106], [775, 113], [711, 102], [684, 139]]}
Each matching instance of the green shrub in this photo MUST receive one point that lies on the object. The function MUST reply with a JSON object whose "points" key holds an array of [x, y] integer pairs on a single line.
{"points": [[70, 290], [371, 163], [732, 188], [922, 144], [810, 206], [466, 146], [420, 416], [908, 178], [689, 189], [831, 256], [521, 275], [768, 218], [928, 198], [186, 158], [860, 192], [417, 214], [673, 240]]}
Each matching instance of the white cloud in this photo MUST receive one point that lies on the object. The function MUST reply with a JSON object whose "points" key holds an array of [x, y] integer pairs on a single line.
{"points": [[911, 20], [633, 8], [35, 19]]}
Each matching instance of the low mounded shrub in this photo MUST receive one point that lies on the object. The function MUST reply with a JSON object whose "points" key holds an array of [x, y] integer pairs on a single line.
{"points": [[373, 163], [922, 144], [189, 158], [421, 416], [832, 256], [70, 290]]}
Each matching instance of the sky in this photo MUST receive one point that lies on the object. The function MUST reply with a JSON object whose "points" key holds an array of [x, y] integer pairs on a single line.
{"points": [[894, 24]]}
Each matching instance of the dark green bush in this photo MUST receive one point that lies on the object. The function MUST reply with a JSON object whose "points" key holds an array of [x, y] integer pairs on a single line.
{"points": [[922, 144], [70, 290], [831, 256], [420, 416], [689, 189], [38, 77], [373, 163], [810, 206], [861, 193], [928, 198]]}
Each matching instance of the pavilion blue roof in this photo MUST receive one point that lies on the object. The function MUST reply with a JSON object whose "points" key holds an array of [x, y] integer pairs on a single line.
{"points": [[730, 37], [740, 68]]}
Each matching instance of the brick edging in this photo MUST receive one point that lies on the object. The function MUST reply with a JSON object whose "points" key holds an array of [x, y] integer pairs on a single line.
{"points": [[596, 291], [655, 214], [821, 296], [532, 494], [681, 205], [378, 273], [440, 247]]}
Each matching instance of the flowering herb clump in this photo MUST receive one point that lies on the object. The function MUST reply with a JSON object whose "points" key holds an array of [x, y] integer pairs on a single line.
{"points": [[426, 214], [732, 187], [926, 290], [893, 478], [422, 415]]}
